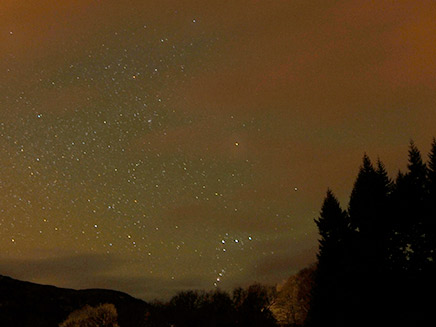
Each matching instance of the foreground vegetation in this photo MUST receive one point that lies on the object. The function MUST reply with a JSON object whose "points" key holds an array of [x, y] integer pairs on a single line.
{"points": [[244, 307], [104, 315], [376, 261], [256, 305]]}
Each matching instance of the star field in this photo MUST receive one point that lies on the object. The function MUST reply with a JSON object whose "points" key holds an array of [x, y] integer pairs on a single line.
{"points": [[153, 147]]}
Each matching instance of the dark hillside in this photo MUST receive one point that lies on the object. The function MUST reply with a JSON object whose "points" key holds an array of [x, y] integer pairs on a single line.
{"points": [[29, 304]]}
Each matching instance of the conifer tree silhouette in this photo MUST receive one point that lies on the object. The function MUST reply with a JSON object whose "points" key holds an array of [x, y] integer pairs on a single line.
{"points": [[377, 261], [327, 292], [431, 185], [362, 210], [432, 171], [368, 211], [369, 215], [429, 228], [430, 224], [411, 209], [414, 251]]}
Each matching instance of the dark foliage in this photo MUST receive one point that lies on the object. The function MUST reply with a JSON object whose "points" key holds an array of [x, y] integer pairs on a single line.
{"points": [[27, 304], [246, 307], [104, 315], [333, 225], [292, 301], [376, 262]]}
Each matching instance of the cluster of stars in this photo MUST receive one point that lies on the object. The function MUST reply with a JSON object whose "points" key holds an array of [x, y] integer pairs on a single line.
{"points": [[89, 166]]}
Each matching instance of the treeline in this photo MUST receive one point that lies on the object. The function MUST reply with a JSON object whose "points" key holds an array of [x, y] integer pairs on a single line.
{"points": [[376, 260], [243, 307]]}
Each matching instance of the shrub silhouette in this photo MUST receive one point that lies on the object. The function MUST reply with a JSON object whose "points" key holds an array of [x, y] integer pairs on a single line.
{"points": [[104, 315]]}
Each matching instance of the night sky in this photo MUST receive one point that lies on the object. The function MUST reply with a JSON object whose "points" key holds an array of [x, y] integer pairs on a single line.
{"points": [[156, 146]]}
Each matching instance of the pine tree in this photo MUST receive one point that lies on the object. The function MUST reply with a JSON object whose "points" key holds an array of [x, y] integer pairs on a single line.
{"points": [[409, 242], [413, 208], [361, 205], [431, 220], [384, 183], [429, 223], [378, 260], [410, 207], [417, 175], [431, 171], [383, 190], [328, 291], [429, 282], [368, 209], [333, 227], [370, 198]]}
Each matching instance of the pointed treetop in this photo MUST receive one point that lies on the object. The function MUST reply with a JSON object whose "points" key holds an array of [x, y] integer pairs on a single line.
{"points": [[417, 168], [383, 177], [330, 201], [381, 169], [431, 171], [366, 164], [332, 226], [415, 158], [329, 194], [380, 166], [365, 176], [432, 158], [331, 214]]}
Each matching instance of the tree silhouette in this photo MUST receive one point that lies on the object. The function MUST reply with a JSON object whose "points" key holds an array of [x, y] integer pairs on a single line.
{"points": [[368, 211], [253, 306], [328, 290], [378, 258], [185, 308], [432, 170], [411, 209], [427, 276], [247, 307], [430, 223]]}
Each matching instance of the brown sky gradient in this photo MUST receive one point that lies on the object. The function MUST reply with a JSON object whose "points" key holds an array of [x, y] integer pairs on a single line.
{"points": [[178, 124]]}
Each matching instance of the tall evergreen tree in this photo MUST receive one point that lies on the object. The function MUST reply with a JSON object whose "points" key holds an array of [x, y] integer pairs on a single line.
{"points": [[385, 184], [432, 171], [367, 209], [410, 241], [383, 194], [412, 209], [417, 175], [328, 291], [369, 198], [332, 224], [431, 222], [361, 204], [379, 259]]}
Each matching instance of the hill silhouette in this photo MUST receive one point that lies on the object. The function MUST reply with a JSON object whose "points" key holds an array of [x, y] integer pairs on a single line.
{"points": [[29, 304]]}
